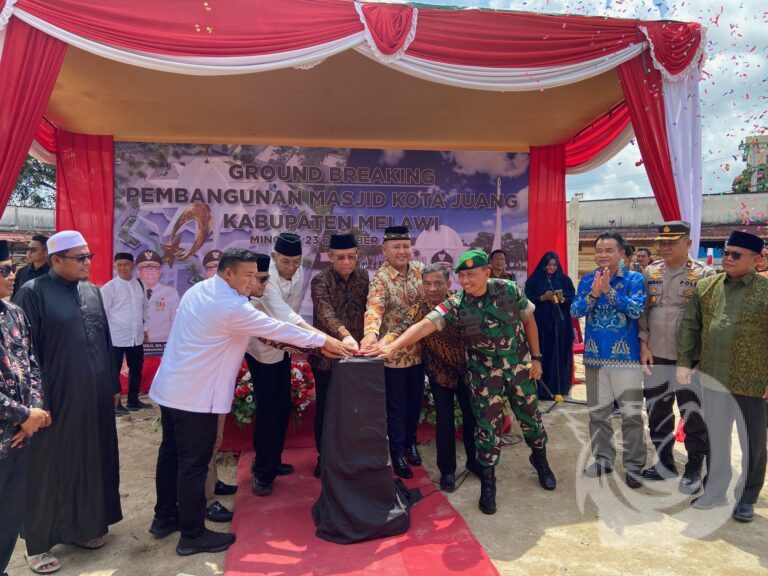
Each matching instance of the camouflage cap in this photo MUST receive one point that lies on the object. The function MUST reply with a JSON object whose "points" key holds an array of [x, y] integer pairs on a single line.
{"points": [[472, 259]]}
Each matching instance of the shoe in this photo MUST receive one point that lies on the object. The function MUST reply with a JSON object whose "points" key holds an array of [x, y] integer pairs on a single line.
{"points": [[691, 481], [475, 468], [208, 541], [261, 488], [634, 480], [538, 459], [218, 513], [222, 489], [138, 405], [120, 410], [284, 469], [447, 482], [487, 502], [660, 471], [701, 504], [400, 466], [163, 528], [412, 455], [317, 471], [597, 469], [743, 512]]}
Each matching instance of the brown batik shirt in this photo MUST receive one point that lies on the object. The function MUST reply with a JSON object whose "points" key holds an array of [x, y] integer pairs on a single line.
{"points": [[338, 307]]}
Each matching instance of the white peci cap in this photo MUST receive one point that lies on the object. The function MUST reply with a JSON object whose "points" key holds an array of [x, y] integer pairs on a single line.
{"points": [[65, 240]]}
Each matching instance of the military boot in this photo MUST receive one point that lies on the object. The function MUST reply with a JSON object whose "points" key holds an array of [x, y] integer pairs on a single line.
{"points": [[488, 490], [539, 461]]}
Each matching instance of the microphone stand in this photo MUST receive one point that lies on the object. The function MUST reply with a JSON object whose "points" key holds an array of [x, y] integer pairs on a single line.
{"points": [[562, 399]]}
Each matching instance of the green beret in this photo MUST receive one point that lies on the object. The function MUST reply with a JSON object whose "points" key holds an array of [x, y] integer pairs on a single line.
{"points": [[472, 259]]}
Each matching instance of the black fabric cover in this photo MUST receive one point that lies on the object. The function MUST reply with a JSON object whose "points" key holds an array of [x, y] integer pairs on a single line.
{"points": [[358, 500]]}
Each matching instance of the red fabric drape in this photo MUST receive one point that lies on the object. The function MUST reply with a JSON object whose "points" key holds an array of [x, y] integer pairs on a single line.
{"points": [[675, 44], [85, 181], [546, 204], [596, 137], [464, 37], [388, 24], [28, 70], [45, 135], [184, 28], [642, 88]]}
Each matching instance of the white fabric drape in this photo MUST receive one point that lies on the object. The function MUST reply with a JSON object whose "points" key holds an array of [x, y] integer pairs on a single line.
{"points": [[608, 152], [683, 122], [39, 153], [198, 66], [474, 77], [506, 79]]}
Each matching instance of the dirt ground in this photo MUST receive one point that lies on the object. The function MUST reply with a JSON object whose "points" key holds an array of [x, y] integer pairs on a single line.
{"points": [[585, 527]]}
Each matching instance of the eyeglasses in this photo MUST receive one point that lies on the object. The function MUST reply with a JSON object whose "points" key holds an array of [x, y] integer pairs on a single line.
{"points": [[262, 279], [6, 271], [736, 256], [81, 258], [342, 258]]}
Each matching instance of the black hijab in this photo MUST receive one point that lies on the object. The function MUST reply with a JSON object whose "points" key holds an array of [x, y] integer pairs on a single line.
{"points": [[540, 282]]}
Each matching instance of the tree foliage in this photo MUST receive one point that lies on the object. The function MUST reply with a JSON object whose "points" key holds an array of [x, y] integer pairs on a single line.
{"points": [[752, 179], [36, 186]]}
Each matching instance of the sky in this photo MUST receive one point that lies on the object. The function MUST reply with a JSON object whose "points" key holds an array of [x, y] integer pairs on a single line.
{"points": [[734, 87]]}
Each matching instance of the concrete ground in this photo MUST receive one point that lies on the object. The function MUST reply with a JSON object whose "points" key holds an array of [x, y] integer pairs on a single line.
{"points": [[587, 526]]}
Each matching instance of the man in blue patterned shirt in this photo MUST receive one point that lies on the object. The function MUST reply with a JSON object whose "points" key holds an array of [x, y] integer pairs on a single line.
{"points": [[21, 409], [612, 299]]}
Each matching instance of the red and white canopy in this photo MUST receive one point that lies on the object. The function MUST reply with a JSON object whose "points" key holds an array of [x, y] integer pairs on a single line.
{"points": [[656, 62]]}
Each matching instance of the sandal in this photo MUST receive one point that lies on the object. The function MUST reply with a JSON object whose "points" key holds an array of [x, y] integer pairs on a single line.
{"points": [[44, 563], [92, 544]]}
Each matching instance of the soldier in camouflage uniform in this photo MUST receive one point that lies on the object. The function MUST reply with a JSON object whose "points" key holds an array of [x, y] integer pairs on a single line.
{"points": [[498, 328]]}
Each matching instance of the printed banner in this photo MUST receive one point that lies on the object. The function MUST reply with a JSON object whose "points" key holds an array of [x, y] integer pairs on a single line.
{"points": [[177, 206]]}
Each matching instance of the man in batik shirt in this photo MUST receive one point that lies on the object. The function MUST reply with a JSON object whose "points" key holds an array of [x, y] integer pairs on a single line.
{"points": [[395, 288], [339, 296], [445, 362]]}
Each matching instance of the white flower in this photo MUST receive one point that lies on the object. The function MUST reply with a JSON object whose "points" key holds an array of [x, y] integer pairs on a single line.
{"points": [[249, 398]]}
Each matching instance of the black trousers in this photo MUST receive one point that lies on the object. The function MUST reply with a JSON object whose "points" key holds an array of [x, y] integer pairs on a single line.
{"points": [[134, 357], [660, 390], [405, 391], [721, 409], [182, 465], [13, 494], [446, 426], [272, 394], [322, 382]]}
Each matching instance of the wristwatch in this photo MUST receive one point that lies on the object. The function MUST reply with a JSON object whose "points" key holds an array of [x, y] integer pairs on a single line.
{"points": [[538, 357]]}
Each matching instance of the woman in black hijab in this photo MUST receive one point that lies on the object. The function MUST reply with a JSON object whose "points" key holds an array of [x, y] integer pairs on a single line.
{"points": [[551, 290]]}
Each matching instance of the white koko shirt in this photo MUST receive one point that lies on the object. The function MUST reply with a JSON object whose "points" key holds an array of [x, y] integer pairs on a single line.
{"points": [[207, 343], [127, 311], [282, 301]]}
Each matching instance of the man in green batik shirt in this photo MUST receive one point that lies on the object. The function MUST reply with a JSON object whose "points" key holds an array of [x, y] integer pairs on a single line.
{"points": [[727, 319], [498, 328]]}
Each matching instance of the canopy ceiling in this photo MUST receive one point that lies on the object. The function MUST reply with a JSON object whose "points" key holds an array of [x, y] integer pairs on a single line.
{"points": [[347, 100]]}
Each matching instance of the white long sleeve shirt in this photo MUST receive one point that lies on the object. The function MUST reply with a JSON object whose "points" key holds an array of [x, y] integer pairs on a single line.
{"points": [[127, 311], [208, 340], [282, 301]]}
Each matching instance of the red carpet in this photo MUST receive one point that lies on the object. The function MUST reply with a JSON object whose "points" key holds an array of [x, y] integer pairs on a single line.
{"points": [[276, 535]]}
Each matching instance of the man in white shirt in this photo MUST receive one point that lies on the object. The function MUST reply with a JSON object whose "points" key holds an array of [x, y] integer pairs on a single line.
{"points": [[127, 313], [271, 368], [196, 382]]}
